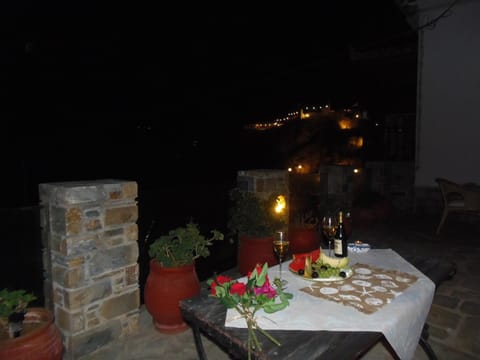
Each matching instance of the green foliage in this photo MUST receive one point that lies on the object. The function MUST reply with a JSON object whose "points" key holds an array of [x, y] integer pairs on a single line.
{"points": [[251, 216], [14, 301], [182, 245]]}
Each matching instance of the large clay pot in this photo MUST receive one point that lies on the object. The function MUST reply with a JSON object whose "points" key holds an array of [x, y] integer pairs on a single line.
{"points": [[40, 339], [164, 289], [253, 251], [303, 239]]}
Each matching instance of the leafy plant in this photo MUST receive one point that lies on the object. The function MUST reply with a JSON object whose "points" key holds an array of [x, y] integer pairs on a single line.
{"points": [[13, 301], [181, 246], [252, 216]]}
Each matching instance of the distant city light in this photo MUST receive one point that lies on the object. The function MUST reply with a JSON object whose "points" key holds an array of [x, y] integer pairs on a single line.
{"points": [[348, 121]]}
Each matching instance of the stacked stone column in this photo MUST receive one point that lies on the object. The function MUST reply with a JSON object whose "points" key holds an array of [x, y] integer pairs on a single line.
{"points": [[264, 182], [90, 235]]}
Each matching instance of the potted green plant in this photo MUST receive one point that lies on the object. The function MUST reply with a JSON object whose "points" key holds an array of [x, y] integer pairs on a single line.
{"points": [[27, 332], [13, 306], [250, 215], [173, 276], [253, 220]]}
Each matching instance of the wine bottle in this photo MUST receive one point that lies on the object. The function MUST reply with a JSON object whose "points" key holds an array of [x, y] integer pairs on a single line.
{"points": [[340, 243]]}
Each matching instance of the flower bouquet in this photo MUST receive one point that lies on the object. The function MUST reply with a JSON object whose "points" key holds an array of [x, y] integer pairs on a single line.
{"points": [[247, 298]]}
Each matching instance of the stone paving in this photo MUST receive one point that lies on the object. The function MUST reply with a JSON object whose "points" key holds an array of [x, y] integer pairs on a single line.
{"points": [[453, 319]]}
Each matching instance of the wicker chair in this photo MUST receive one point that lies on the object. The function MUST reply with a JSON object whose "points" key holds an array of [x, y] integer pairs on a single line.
{"points": [[457, 198]]}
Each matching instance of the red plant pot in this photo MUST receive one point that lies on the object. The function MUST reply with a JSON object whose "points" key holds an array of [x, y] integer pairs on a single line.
{"points": [[40, 339], [164, 289], [303, 239], [253, 251]]}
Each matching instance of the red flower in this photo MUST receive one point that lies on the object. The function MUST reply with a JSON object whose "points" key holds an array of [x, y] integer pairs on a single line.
{"points": [[238, 288], [220, 279], [247, 298]]}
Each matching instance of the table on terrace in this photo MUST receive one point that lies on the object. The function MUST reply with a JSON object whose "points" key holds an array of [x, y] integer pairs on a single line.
{"points": [[207, 315]]}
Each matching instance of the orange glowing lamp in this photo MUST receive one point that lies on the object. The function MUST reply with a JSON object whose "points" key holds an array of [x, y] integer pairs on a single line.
{"points": [[280, 204]]}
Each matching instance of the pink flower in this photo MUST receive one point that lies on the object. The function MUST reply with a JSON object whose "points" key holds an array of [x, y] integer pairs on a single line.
{"points": [[266, 289]]}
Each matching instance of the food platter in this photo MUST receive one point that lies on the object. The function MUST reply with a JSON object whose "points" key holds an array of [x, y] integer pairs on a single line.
{"points": [[298, 264]]}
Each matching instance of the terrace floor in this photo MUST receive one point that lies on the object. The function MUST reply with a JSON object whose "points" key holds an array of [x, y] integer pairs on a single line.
{"points": [[453, 318]]}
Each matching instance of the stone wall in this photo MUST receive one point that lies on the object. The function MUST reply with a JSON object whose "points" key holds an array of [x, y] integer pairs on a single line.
{"points": [[264, 182], [338, 184], [394, 180], [89, 236]]}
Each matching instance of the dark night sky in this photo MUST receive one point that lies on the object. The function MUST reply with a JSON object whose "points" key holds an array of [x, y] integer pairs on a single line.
{"points": [[156, 93], [154, 85], [226, 64]]}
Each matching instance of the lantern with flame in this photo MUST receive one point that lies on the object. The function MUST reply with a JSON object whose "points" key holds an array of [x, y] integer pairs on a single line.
{"points": [[280, 204]]}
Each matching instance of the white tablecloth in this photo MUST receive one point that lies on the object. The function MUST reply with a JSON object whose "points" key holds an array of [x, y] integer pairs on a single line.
{"points": [[401, 321]]}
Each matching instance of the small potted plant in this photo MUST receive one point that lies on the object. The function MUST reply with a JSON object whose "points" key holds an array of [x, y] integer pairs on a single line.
{"points": [[254, 221], [173, 276], [27, 332], [13, 307]]}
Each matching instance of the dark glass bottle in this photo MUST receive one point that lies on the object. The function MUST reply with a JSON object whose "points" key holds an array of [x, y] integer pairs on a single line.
{"points": [[340, 243]]}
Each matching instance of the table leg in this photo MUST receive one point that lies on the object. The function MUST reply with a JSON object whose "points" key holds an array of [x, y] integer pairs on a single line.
{"points": [[198, 343], [425, 345]]}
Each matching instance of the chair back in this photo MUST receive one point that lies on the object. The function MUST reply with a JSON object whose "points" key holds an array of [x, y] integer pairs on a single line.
{"points": [[452, 191]]}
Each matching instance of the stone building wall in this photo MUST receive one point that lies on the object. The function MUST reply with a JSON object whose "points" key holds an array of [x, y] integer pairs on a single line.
{"points": [[89, 236], [264, 182]]}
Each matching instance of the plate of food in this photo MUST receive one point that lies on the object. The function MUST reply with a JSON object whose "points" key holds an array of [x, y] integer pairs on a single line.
{"points": [[321, 268]]}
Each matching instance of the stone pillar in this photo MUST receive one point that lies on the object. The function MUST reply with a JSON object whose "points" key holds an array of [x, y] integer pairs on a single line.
{"points": [[264, 182], [89, 236]]}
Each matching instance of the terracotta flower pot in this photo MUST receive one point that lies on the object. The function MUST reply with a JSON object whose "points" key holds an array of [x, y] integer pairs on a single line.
{"points": [[40, 338], [303, 239], [253, 251], [164, 289]]}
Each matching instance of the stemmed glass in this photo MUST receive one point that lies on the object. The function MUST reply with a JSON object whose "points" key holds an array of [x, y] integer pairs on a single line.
{"points": [[280, 245], [329, 227]]}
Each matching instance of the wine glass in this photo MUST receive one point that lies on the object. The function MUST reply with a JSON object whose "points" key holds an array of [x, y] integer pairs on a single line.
{"points": [[329, 227], [280, 246]]}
